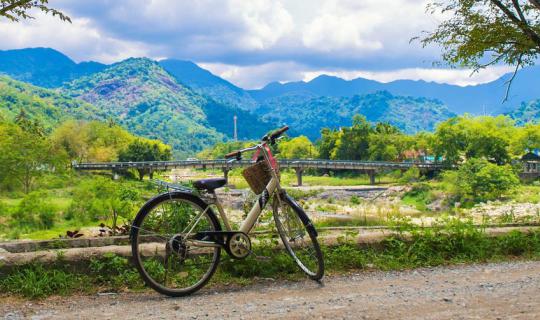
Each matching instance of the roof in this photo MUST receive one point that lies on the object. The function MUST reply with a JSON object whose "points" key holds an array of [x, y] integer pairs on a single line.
{"points": [[530, 157]]}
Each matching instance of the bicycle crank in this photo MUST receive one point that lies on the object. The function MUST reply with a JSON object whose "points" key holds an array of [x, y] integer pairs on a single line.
{"points": [[238, 245]]}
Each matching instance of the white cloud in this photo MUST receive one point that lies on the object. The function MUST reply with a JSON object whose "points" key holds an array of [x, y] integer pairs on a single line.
{"points": [[250, 42], [254, 77], [80, 40], [460, 77]]}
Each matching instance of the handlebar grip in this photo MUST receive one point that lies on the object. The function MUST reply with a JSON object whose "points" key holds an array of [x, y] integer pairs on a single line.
{"points": [[279, 132], [232, 154]]}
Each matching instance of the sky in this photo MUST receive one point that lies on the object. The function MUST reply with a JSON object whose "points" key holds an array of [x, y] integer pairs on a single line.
{"points": [[251, 42]]}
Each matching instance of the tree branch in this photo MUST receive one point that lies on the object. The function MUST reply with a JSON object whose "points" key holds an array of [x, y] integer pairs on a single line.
{"points": [[509, 82], [533, 36], [12, 6], [535, 3]]}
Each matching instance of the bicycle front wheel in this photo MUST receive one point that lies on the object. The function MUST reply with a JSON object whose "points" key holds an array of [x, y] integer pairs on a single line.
{"points": [[164, 255], [298, 235]]}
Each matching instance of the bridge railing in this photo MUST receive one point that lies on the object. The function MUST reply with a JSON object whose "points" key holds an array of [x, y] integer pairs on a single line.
{"points": [[222, 163]]}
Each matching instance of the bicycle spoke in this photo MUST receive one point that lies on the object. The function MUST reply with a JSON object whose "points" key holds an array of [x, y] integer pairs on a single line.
{"points": [[175, 265]]}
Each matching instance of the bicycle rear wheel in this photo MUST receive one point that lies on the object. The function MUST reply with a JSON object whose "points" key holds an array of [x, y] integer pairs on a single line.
{"points": [[298, 235], [162, 251]]}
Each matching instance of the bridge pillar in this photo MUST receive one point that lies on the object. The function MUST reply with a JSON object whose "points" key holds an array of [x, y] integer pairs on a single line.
{"points": [[371, 174], [299, 172], [226, 174]]}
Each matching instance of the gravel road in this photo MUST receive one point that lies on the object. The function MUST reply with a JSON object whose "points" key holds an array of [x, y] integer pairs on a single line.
{"points": [[490, 291]]}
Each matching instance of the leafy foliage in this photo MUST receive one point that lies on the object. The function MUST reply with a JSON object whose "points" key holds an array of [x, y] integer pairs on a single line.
{"points": [[297, 148], [15, 10], [145, 150], [33, 213], [102, 199], [91, 141], [479, 180], [25, 156], [46, 106], [506, 31], [364, 141], [467, 137]]}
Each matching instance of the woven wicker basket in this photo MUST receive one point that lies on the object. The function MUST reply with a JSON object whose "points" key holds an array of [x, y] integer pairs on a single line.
{"points": [[257, 176]]}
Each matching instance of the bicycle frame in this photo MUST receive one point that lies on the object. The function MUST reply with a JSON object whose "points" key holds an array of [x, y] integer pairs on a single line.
{"points": [[253, 215]]}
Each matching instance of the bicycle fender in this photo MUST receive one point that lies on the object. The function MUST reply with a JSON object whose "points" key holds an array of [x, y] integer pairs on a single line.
{"points": [[303, 216]]}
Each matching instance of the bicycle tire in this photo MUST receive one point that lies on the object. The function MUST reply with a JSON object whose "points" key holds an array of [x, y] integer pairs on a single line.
{"points": [[139, 225], [301, 220]]}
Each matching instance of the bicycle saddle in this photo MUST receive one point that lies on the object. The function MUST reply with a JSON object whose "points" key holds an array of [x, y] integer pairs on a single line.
{"points": [[209, 184]]}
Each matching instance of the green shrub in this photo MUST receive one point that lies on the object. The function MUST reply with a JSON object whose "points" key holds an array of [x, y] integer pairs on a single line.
{"points": [[419, 196], [102, 199], [479, 180], [34, 213], [411, 175]]}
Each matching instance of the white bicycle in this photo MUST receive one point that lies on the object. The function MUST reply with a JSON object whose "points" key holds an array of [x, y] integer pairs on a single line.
{"points": [[177, 238]]}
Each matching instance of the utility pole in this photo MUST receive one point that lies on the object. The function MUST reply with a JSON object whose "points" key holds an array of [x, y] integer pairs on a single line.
{"points": [[235, 130]]}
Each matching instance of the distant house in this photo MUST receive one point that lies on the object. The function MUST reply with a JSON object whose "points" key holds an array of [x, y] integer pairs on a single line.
{"points": [[531, 162]]}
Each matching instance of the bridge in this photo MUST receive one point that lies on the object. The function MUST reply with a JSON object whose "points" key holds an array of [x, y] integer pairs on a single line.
{"points": [[299, 165]]}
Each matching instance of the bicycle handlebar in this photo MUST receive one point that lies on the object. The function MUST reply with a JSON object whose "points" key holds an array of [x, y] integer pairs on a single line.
{"points": [[274, 135], [269, 137], [233, 154]]}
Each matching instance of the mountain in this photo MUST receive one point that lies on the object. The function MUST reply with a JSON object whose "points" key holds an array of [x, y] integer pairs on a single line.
{"points": [[149, 102], [44, 67], [477, 99], [47, 106], [204, 82], [308, 115], [527, 112]]}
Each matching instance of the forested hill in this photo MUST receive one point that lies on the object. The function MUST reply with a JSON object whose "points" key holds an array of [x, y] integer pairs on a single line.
{"points": [[44, 67], [527, 112], [46, 106], [190, 108], [487, 97], [307, 114], [148, 101]]}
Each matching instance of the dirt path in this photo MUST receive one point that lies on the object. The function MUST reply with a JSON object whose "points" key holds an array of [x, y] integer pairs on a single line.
{"points": [[492, 291]]}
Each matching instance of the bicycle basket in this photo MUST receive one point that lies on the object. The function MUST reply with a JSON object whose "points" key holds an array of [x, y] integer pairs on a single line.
{"points": [[257, 176]]}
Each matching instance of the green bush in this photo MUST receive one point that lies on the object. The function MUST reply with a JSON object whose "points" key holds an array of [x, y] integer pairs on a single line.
{"points": [[419, 196], [479, 180], [102, 199], [33, 213], [411, 175]]}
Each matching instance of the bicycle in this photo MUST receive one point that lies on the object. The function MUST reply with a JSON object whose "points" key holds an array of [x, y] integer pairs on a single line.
{"points": [[177, 239]]}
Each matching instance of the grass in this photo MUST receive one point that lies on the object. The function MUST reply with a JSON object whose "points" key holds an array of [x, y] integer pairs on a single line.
{"points": [[450, 242]]}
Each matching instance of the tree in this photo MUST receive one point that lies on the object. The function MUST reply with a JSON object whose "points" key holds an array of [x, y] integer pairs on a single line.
{"points": [[527, 139], [16, 10], [297, 148], [91, 141], [327, 143], [480, 180], [24, 156], [465, 137], [480, 33], [145, 150], [353, 142]]}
